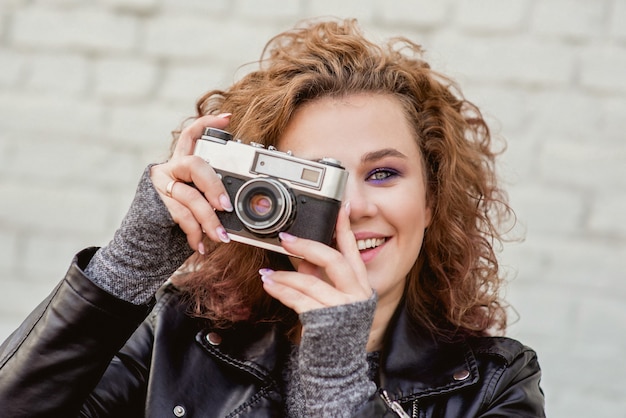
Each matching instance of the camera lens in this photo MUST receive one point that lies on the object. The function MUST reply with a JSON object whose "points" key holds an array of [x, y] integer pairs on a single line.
{"points": [[260, 205], [264, 205]]}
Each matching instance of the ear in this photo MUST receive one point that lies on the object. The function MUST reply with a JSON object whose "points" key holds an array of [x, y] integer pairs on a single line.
{"points": [[428, 214]]}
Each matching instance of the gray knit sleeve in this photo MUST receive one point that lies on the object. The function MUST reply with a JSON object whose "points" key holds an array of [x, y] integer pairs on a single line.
{"points": [[329, 370], [145, 251]]}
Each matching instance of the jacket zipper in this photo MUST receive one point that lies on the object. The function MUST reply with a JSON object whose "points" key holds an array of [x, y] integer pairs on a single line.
{"points": [[393, 405]]}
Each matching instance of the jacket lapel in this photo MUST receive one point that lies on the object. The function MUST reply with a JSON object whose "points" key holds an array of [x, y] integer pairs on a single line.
{"points": [[415, 365]]}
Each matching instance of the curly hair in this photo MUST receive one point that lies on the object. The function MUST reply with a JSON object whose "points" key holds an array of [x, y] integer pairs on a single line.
{"points": [[453, 288]]}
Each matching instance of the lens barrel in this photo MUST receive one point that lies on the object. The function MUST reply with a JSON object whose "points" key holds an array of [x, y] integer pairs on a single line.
{"points": [[264, 205]]}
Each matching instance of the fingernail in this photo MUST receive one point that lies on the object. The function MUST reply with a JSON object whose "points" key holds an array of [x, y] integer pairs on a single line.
{"points": [[222, 234], [201, 249], [284, 236], [347, 208], [225, 202], [265, 273], [224, 115]]}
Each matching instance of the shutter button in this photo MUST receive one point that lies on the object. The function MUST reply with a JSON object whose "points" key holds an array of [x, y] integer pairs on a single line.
{"points": [[461, 375], [214, 338], [179, 411]]}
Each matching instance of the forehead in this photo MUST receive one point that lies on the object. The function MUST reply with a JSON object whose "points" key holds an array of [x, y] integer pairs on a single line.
{"points": [[349, 126]]}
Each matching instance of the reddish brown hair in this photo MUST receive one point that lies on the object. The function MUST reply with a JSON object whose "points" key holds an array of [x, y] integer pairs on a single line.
{"points": [[453, 287]]}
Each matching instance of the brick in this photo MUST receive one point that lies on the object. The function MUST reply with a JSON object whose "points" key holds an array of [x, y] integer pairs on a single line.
{"points": [[5, 153], [518, 163], [584, 164], [48, 256], [146, 127], [124, 78], [599, 318], [90, 30], [10, 4], [197, 6], [603, 69], [608, 210], [12, 67], [489, 99], [275, 9], [580, 261], [8, 249], [568, 114], [420, 14], [614, 124], [363, 10], [529, 319], [548, 209], [514, 61], [617, 19], [492, 16], [62, 210], [38, 114], [572, 399], [186, 84], [134, 6], [65, 74], [207, 40], [65, 163], [570, 19]]}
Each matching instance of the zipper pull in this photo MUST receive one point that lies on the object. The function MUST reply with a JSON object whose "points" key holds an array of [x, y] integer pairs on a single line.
{"points": [[393, 405]]}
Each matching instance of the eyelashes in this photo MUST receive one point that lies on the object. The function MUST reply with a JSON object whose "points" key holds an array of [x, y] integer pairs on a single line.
{"points": [[382, 175]]}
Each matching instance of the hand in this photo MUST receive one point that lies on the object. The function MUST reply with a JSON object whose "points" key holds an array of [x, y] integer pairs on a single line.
{"points": [[193, 208], [325, 276]]}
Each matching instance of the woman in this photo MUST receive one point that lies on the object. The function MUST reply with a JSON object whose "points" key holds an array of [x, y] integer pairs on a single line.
{"points": [[393, 318]]}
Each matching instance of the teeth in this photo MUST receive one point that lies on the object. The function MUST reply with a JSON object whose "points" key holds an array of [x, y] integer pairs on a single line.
{"points": [[365, 244]]}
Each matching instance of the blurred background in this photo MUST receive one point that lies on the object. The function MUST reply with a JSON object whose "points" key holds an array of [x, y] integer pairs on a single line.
{"points": [[90, 91]]}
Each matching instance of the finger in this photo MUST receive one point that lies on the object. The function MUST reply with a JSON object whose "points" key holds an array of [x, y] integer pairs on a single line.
{"points": [[346, 244], [337, 268], [198, 210], [195, 213], [187, 138], [193, 170], [302, 292], [187, 223]]}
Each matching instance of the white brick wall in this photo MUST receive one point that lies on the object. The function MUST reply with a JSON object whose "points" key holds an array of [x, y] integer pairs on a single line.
{"points": [[89, 93]]}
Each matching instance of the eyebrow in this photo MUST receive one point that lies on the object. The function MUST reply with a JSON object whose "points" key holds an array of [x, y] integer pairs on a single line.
{"points": [[380, 154]]}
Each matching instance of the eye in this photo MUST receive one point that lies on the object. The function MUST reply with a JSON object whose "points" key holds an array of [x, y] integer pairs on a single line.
{"points": [[381, 175]]}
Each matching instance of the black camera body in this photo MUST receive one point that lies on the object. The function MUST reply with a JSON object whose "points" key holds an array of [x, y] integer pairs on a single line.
{"points": [[273, 191]]}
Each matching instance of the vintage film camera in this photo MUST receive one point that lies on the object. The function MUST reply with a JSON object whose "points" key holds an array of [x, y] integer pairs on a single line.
{"points": [[273, 191]]}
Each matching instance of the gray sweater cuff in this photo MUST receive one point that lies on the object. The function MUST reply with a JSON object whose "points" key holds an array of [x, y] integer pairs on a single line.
{"points": [[145, 251], [331, 366]]}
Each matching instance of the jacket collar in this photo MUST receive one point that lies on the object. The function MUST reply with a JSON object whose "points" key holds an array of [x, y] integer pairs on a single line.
{"points": [[255, 349], [415, 365], [412, 366]]}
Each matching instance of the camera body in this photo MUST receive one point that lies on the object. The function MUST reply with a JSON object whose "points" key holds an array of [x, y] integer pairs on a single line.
{"points": [[273, 191]]}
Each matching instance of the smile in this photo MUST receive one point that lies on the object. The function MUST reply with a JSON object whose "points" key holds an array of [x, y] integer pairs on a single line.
{"points": [[367, 244]]}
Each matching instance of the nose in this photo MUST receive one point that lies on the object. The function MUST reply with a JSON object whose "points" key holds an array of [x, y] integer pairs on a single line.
{"points": [[362, 204]]}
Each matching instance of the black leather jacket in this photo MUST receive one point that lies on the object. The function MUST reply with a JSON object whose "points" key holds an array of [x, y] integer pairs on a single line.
{"points": [[71, 357]]}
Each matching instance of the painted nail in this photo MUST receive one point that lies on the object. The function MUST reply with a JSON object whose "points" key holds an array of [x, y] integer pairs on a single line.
{"points": [[265, 275], [224, 115], [284, 236], [201, 249], [347, 208], [225, 202], [222, 234]]}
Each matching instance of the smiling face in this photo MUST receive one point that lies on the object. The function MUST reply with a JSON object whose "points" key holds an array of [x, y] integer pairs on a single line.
{"points": [[372, 137]]}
